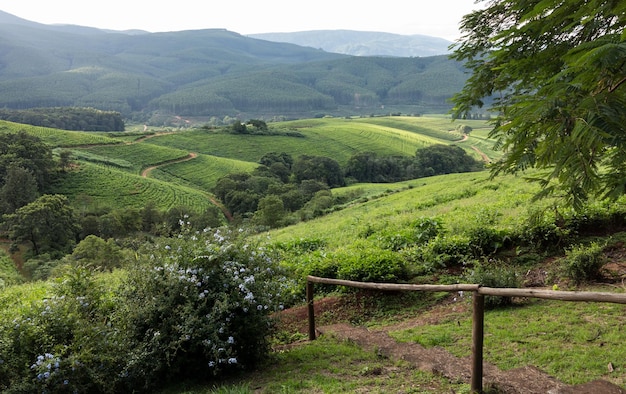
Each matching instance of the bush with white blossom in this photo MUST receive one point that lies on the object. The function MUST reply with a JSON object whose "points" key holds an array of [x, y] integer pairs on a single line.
{"points": [[198, 305]]}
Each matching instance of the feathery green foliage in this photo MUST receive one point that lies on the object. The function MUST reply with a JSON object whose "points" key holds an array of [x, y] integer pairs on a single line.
{"points": [[556, 73]]}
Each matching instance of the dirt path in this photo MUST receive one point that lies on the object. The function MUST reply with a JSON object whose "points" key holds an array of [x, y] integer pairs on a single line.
{"points": [[485, 158], [147, 171], [525, 380]]}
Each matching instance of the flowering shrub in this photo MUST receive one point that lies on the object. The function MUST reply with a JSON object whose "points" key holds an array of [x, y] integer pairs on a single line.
{"points": [[200, 305], [196, 305]]}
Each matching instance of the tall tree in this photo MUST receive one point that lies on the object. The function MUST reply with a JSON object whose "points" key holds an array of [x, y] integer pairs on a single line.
{"points": [[19, 189], [556, 72], [48, 223], [26, 151]]}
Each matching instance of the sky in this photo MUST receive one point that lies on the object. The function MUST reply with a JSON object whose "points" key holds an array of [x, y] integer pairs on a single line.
{"points": [[439, 18]]}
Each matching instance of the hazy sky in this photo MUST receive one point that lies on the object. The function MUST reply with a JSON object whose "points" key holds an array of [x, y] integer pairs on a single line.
{"points": [[433, 17]]}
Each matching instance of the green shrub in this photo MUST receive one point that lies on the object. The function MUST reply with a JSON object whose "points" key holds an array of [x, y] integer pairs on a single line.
{"points": [[367, 263], [486, 241], [418, 233], [300, 245], [494, 274], [63, 343], [541, 231], [583, 262], [444, 251], [197, 305], [200, 305]]}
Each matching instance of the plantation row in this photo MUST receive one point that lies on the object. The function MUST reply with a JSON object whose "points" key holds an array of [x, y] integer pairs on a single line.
{"points": [[111, 187], [57, 138]]}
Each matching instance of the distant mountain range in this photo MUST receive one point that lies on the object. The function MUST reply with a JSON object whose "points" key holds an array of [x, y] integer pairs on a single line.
{"points": [[363, 43], [216, 72]]}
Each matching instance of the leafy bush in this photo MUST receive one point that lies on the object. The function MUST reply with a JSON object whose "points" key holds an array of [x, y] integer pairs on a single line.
{"points": [[63, 343], [42, 267], [583, 262], [541, 230], [195, 305], [418, 233], [367, 263], [486, 241], [494, 274], [301, 245], [199, 305], [444, 251]]}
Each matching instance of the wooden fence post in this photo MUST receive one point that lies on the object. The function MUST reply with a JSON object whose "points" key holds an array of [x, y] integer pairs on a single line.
{"points": [[309, 302], [478, 327]]}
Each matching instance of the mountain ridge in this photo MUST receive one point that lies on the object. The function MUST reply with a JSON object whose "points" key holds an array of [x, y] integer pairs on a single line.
{"points": [[363, 43], [209, 72]]}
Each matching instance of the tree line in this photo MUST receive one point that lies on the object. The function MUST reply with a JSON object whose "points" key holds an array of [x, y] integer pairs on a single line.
{"points": [[283, 190], [67, 118]]}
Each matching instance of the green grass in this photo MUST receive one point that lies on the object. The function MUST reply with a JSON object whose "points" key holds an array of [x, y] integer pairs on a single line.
{"points": [[572, 341], [460, 201], [336, 138], [15, 300], [328, 365]]}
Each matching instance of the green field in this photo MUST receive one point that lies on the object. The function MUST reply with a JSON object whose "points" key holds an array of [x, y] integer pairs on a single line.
{"points": [[59, 138], [107, 162], [138, 155], [336, 138], [460, 201], [202, 171], [111, 187]]}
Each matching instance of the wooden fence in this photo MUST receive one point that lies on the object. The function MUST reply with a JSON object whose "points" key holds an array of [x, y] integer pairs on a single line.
{"points": [[478, 304]]}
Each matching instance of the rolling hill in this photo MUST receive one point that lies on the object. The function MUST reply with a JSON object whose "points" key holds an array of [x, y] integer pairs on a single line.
{"points": [[363, 43], [211, 72], [185, 165]]}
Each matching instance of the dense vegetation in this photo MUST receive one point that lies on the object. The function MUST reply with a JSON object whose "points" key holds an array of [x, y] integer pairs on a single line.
{"points": [[83, 119]]}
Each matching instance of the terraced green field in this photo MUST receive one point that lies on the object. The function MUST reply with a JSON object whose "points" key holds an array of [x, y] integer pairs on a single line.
{"points": [[112, 187], [336, 138], [139, 155], [201, 172], [60, 138], [110, 164]]}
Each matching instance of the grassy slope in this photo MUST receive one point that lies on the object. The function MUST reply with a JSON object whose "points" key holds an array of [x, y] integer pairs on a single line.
{"points": [[112, 187], [458, 200]]}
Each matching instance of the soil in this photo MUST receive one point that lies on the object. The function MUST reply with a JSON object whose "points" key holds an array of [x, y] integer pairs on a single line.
{"points": [[334, 315]]}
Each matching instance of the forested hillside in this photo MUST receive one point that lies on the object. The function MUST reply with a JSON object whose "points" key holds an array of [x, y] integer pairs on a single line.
{"points": [[209, 73]]}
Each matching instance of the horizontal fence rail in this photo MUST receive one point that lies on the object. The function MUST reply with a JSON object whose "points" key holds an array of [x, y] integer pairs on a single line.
{"points": [[478, 305]]}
